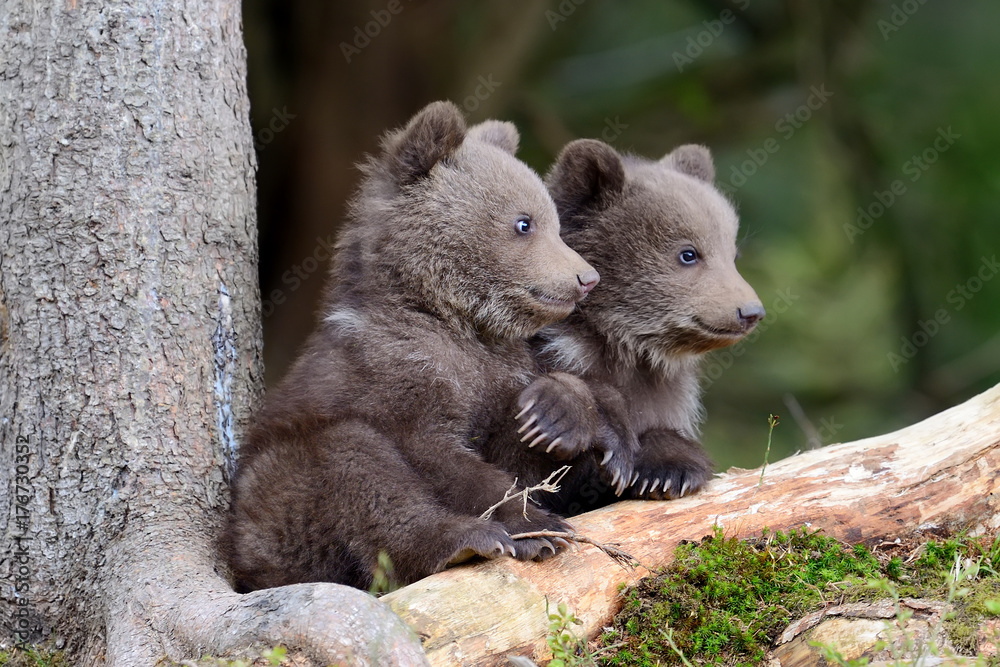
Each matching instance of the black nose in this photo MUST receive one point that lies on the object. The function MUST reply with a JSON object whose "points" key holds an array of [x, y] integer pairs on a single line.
{"points": [[750, 314], [587, 281]]}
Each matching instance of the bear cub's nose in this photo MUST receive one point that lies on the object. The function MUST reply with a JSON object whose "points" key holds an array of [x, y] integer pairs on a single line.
{"points": [[587, 281], [750, 314]]}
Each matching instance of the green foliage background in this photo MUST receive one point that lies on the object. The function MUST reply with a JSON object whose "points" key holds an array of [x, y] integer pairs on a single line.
{"points": [[652, 74]]}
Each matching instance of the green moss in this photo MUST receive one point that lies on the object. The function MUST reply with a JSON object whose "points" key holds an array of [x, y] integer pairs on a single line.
{"points": [[963, 625], [726, 600], [30, 656], [272, 657], [894, 568]]}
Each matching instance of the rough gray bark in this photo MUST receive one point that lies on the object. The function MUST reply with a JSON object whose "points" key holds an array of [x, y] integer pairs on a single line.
{"points": [[130, 340]]}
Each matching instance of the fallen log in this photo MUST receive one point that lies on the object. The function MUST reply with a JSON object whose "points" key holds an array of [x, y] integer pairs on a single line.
{"points": [[939, 472]]}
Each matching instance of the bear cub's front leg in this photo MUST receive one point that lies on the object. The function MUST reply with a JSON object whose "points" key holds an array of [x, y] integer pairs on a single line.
{"points": [[567, 417]]}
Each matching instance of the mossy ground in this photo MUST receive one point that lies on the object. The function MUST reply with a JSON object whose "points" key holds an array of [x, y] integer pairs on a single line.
{"points": [[30, 656], [727, 600], [272, 657]]}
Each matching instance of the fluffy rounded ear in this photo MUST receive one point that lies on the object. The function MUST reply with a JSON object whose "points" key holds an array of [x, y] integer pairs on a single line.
{"points": [[588, 174], [499, 133], [693, 160], [432, 135]]}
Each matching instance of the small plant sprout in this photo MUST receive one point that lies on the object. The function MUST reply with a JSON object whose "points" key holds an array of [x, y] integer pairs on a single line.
{"points": [[384, 576], [275, 655], [772, 421], [668, 636], [568, 650]]}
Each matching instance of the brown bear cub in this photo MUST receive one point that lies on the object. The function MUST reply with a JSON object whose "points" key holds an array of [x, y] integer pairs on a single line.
{"points": [[664, 241], [450, 260]]}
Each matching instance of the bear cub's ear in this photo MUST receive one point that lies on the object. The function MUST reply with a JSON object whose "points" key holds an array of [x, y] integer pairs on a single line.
{"points": [[588, 174], [693, 160], [499, 133], [433, 134]]}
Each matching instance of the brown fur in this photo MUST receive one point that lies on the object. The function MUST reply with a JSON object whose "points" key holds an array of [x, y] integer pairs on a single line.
{"points": [[366, 446], [638, 339]]}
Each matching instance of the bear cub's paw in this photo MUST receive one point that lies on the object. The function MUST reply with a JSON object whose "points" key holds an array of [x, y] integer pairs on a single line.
{"points": [[559, 415], [668, 480], [482, 538], [537, 520], [673, 469]]}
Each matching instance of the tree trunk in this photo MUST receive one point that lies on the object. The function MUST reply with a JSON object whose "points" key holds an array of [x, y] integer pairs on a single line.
{"points": [[939, 472], [130, 341]]}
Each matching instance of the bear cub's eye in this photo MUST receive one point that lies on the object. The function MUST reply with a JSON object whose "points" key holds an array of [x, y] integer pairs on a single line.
{"points": [[523, 224], [688, 256]]}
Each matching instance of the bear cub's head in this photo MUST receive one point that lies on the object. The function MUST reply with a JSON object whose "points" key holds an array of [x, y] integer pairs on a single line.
{"points": [[664, 240], [452, 223]]}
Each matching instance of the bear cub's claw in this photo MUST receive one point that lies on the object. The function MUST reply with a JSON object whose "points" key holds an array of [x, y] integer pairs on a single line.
{"points": [[559, 412], [618, 469], [478, 538], [539, 548], [669, 479], [534, 548]]}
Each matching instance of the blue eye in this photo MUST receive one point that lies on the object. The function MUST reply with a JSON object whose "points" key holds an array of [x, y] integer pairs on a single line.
{"points": [[688, 256], [523, 225]]}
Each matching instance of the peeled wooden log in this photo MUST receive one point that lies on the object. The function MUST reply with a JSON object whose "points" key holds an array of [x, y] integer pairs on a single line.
{"points": [[941, 471], [857, 629]]}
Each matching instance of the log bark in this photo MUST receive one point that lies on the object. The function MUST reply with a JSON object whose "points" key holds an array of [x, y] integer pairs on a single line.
{"points": [[939, 472], [130, 342], [856, 629]]}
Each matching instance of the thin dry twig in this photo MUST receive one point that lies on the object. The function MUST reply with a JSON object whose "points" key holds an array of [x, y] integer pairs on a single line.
{"points": [[623, 558], [551, 485], [548, 485]]}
